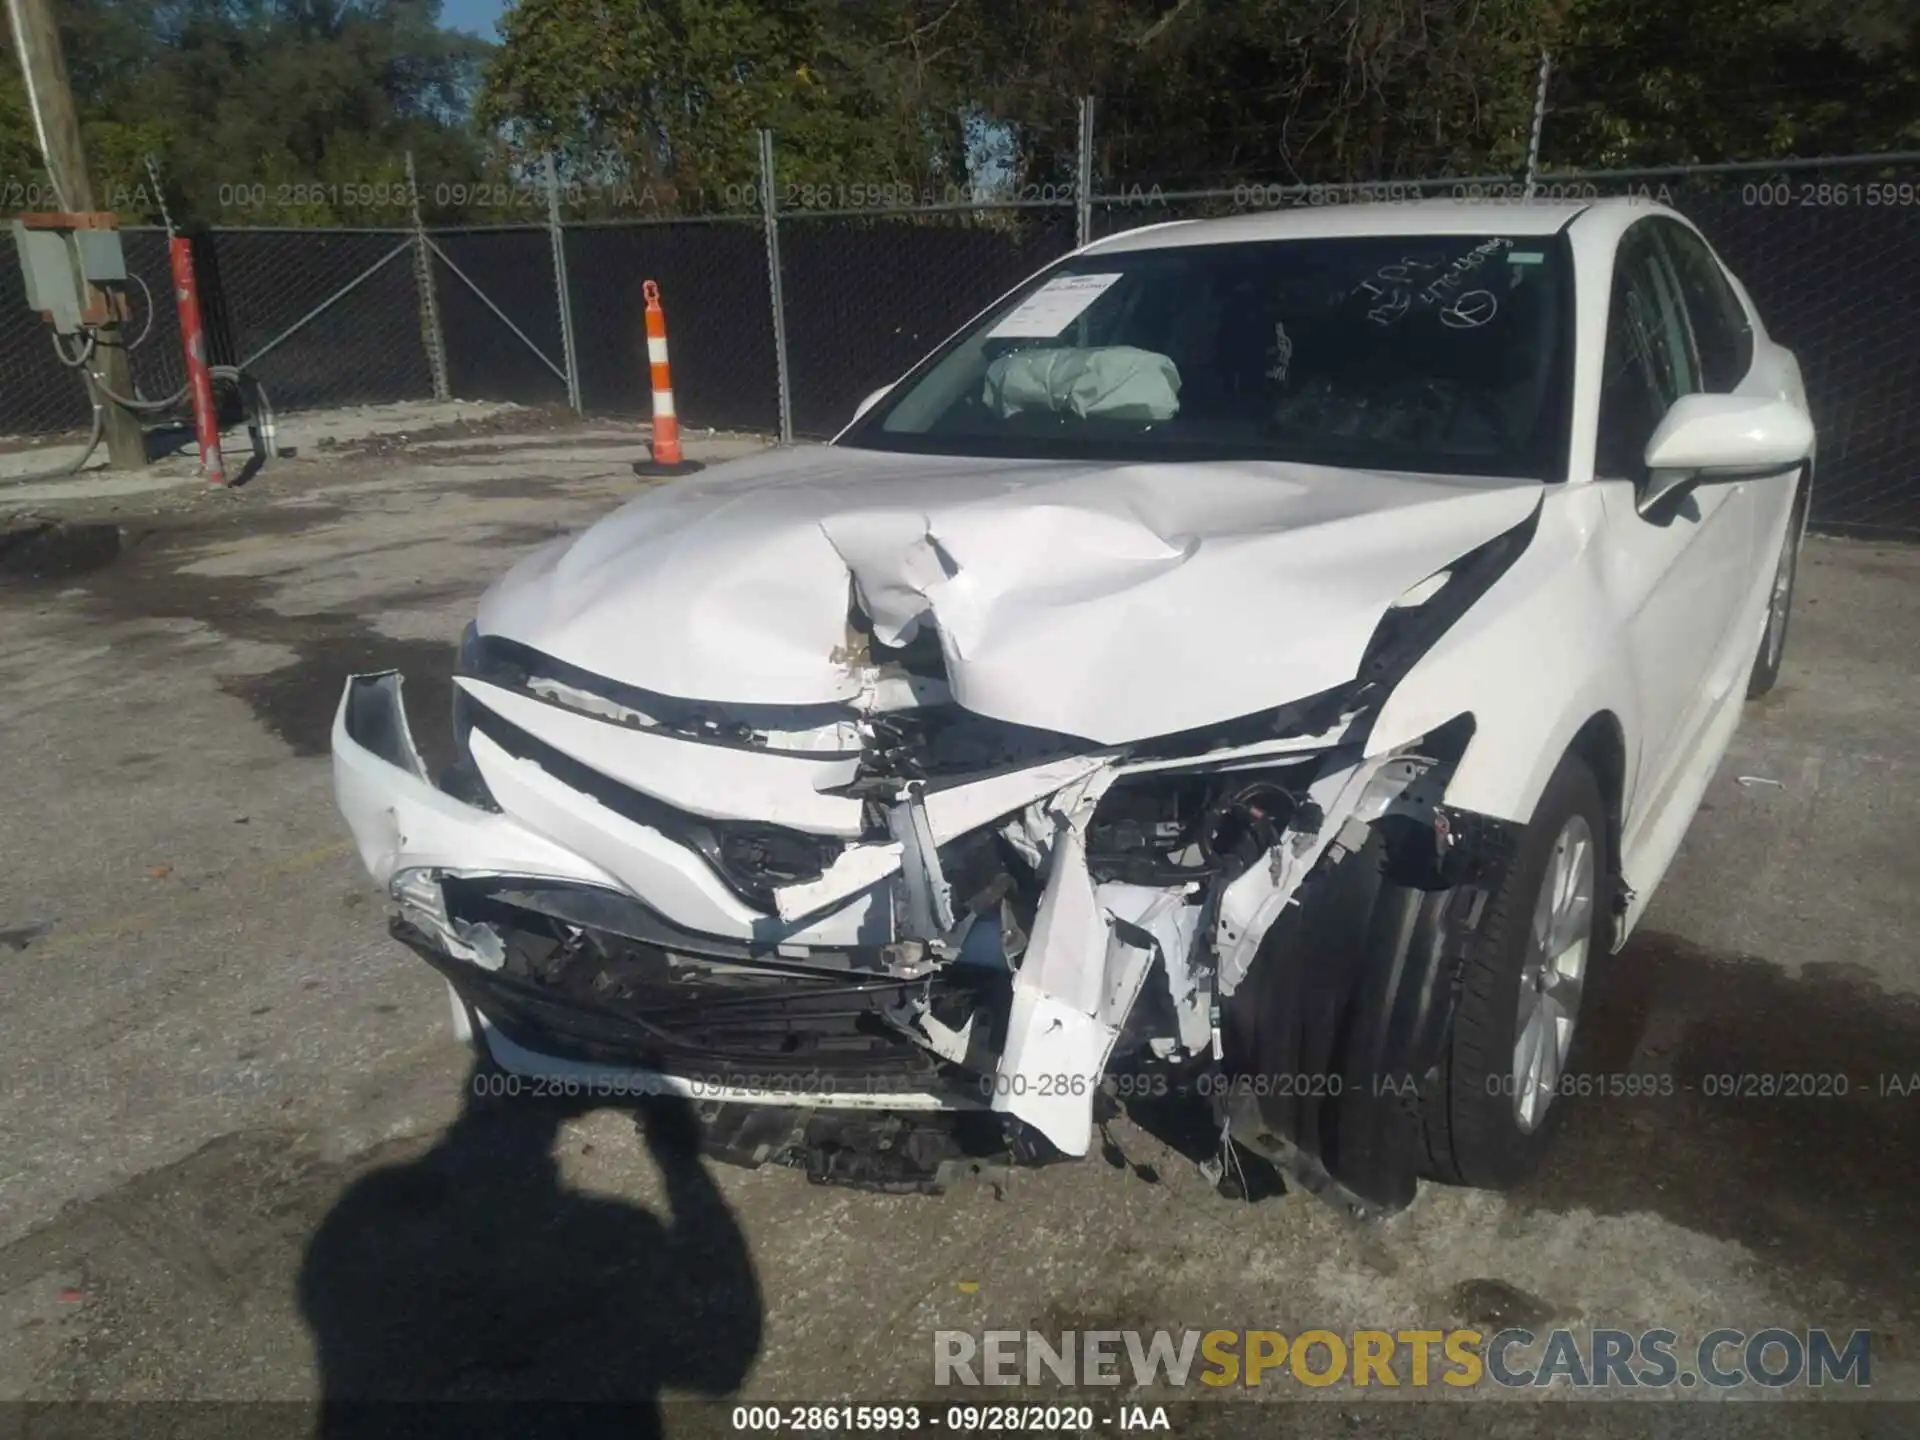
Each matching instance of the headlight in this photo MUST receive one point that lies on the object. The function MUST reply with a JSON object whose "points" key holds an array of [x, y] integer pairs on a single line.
{"points": [[419, 889]]}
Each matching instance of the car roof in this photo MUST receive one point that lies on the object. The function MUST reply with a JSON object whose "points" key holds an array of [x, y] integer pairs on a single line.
{"points": [[1401, 217]]}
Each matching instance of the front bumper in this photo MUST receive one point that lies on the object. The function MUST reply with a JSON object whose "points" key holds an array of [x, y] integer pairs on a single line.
{"points": [[814, 1045], [649, 913], [544, 828], [584, 944]]}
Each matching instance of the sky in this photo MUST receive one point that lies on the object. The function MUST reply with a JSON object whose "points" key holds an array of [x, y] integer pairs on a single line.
{"points": [[474, 16]]}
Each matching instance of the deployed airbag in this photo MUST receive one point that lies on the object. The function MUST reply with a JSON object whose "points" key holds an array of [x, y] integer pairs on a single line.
{"points": [[1114, 382]]}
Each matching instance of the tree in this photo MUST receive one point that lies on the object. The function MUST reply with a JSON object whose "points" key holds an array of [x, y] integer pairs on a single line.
{"points": [[1211, 92], [668, 94], [300, 111], [1644, 82], [1199, 93], [268, 111]]}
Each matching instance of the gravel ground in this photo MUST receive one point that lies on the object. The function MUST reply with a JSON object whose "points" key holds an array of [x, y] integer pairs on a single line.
{"points": [[222, 1079]]}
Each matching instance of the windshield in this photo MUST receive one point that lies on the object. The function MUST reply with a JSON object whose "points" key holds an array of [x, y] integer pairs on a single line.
{"points": [[1444, 354]]}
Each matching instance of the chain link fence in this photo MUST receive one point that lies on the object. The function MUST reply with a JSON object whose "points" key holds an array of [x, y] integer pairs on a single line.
{"points": [[782, 321], [320, 318], [498, 303], [717, 293], [867, 296]]}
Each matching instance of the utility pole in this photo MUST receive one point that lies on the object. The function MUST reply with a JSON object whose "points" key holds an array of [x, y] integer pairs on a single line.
{"points": [[36, 40], [1083, 182]]}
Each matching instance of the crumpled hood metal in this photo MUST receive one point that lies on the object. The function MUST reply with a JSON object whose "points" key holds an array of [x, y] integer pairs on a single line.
{"points": [[1110, 601]]}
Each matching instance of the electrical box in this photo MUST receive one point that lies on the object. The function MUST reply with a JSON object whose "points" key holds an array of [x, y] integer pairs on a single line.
{"points": [[63, 258], [102, 261], [53, 285]]}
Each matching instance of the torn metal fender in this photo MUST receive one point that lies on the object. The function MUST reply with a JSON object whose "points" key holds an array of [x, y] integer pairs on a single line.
{"points": [[1092, 949], [1350, 796], [949, 813], [1095, 944]]}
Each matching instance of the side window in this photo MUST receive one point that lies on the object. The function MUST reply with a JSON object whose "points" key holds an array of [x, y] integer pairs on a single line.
{"points": [[1649, 357], [1720, 325]]}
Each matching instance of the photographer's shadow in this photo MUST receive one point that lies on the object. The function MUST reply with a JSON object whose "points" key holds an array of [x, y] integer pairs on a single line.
{"points": [[473, 1274]]}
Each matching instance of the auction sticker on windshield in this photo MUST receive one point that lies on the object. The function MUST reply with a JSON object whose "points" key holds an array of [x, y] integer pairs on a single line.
{"points": [[1053, 307]]}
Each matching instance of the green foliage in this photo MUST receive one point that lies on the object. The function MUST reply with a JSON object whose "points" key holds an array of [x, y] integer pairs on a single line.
{"points": [[1198, 93], [301, 111], [21, 173], [265, 111], [899, 95], [1647, 82], [664, 96]]}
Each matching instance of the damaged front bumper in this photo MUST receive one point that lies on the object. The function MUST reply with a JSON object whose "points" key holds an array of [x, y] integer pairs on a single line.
{"points": [[682, 915]]}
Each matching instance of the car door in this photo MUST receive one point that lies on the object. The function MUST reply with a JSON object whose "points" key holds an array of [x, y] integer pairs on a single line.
{"points": [[1677, 569]]}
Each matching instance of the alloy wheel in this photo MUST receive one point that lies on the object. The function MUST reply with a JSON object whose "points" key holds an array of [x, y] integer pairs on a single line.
{"points": [[1553, 973]]}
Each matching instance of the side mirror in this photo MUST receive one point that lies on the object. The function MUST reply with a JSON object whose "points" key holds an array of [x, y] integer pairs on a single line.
{"points": [[1704, 438], [872, 400]]}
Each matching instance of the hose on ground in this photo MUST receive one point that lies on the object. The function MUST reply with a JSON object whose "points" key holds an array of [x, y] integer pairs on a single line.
{"points": [[72, 467], [265, 438], [232, 374], [261, 417], [127, 402]]}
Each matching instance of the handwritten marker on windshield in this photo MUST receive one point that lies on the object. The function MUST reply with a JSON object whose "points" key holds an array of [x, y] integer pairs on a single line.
{"points": [[667, 459]]}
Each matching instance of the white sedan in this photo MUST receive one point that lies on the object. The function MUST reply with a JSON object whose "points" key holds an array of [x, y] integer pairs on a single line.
{"points": [[1268, 660]]}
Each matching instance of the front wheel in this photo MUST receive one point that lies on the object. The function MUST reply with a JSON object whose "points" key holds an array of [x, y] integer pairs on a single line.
{"points": [[1523, 981]]}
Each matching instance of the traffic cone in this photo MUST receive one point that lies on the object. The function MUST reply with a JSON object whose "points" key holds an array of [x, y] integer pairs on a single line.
{"points": [[667, 459]]}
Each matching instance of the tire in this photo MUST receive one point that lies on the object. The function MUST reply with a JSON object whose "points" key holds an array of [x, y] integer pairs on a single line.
{"points": [[1476, 1129], [1773, 639]]}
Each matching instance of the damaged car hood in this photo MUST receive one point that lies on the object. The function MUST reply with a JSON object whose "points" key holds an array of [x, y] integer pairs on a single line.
{"points": [[1110, 601]]}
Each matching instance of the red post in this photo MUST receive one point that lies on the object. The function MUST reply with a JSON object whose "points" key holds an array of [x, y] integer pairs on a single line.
{"points": [[193, 338]]}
